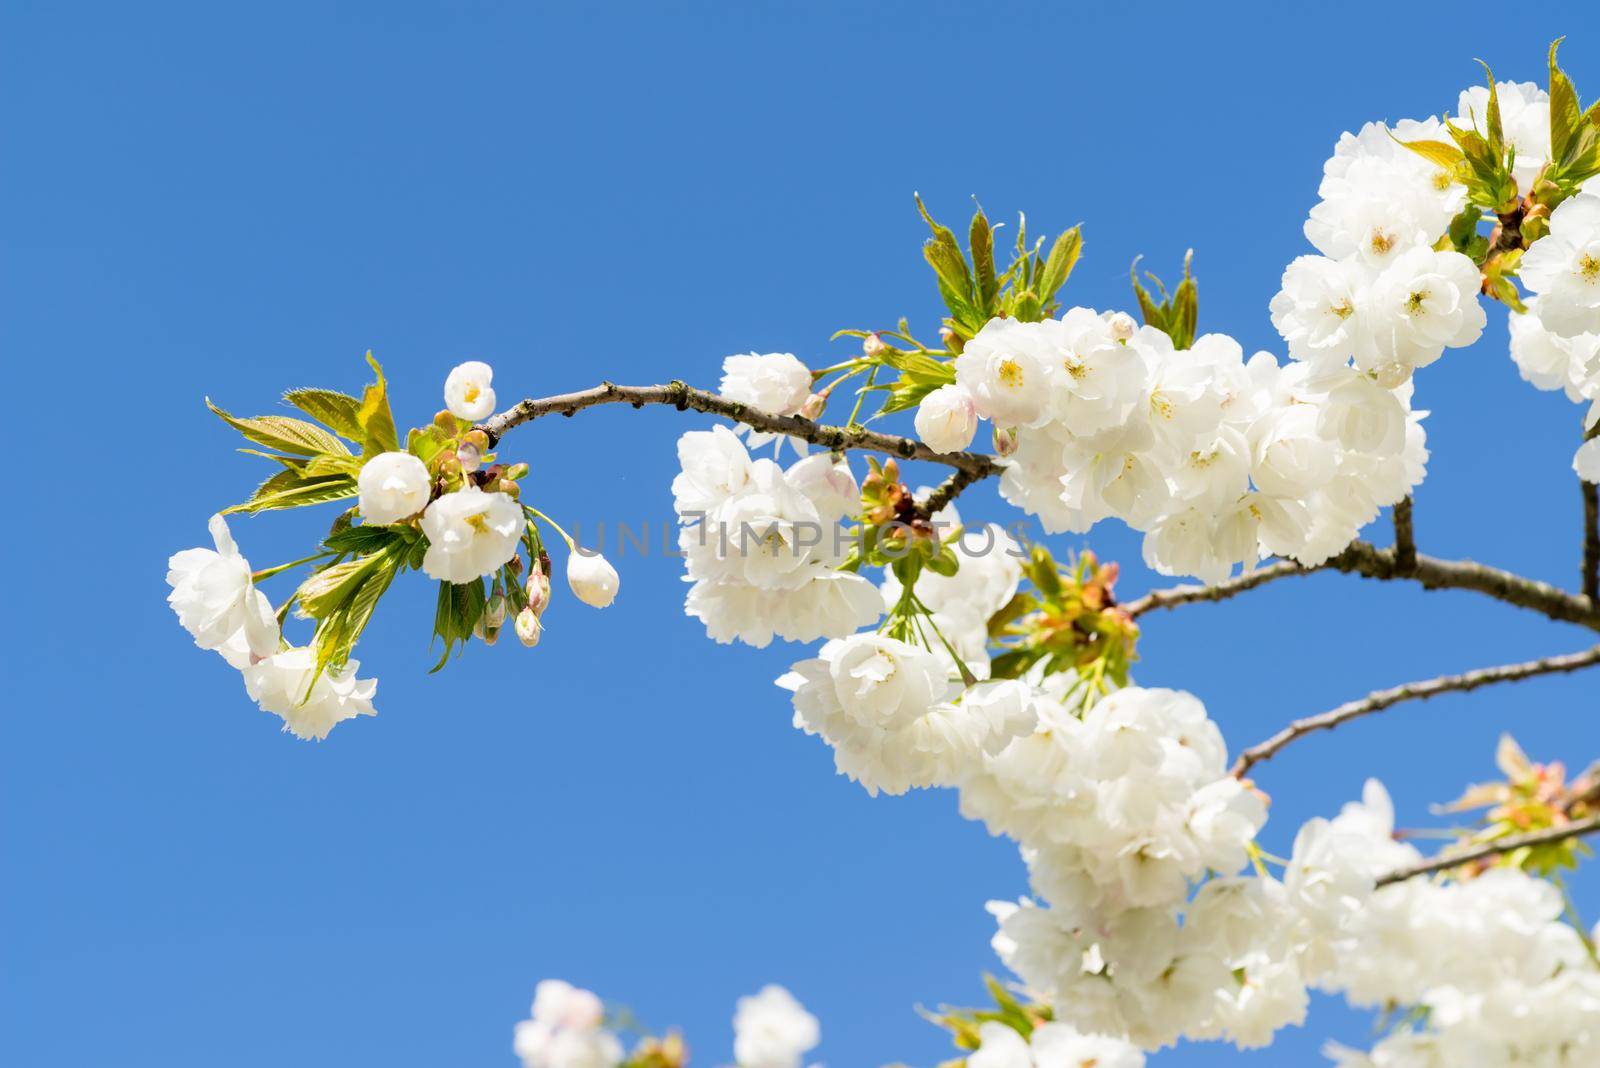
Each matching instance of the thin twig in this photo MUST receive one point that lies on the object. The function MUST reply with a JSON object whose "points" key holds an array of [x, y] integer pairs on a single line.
{"points": [[1379, 700], [969, 467], [1405, 538], [1447, 860], [1222, 591]]}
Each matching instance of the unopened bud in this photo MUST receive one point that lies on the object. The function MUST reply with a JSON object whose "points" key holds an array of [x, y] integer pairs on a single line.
{"points": [[1005, 440], [1123, 327], [469, 457], [509, 488], [538, 590], [528, 627], [946, 335], [488, 626], [477, 439], [813, 405], [516, 472], [494, 613], [872, 344], [592, 578]]}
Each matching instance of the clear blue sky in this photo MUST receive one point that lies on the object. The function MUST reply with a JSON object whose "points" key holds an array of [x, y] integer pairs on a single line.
{"points": [[235, 199]]}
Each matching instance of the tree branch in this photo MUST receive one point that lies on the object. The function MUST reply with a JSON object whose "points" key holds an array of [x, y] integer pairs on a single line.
{"points": [[1447, 860], [1174, 596], [1363, 559], [1434, 574], [1379, 700], [969, 467]]}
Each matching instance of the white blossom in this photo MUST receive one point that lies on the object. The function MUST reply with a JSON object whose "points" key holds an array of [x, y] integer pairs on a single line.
{"points": [[776, 383], [772, 1030], [887, 709], [470, 534], [1563, 268], [393, 486], [1005, 369], [1424, 302], [283, 685], [946, 419], [217, 602], [468, 393], [566, 1030]]}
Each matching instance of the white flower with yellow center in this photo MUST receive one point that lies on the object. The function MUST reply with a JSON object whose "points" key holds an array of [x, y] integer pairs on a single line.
{"points": [[1003, 371], [1563, 267], [470, 534], [467, 391]]}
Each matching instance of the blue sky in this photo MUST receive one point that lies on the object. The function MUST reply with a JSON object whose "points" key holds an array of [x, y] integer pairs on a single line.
{"points": [[235, 199]]}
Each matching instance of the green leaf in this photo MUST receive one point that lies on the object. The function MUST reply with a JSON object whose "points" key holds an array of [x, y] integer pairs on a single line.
{"points": [[308, 492], [364, 539], [426, 442], [375, 418], [1177, 315], [1566, 118], [1436, 152], [919, 364], [337, 635], [1063, 257], [456, 613], [981, 241], [323, 466], [1495, 134], [334, 409], [286, 479], [950, 269], [327, 590], [295, 436]]}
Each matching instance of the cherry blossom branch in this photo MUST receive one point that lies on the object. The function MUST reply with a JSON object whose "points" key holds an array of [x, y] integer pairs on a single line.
{"points": [[969, 467], [1379, 700], [1447, 860], [1361, 558]]}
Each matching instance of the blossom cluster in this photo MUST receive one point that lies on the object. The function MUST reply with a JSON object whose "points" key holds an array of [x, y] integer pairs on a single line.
{"points": [[569, 1028], [215, 597], [1218, 460], [433, 505], [1557, 343], [762, 544], [1497, 973]]}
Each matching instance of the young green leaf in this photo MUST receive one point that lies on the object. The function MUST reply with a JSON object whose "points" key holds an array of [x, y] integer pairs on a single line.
{"points": [[298, 495], [375, 418], [294, 436], [335, 410], [981, 242], [1063, 257]]}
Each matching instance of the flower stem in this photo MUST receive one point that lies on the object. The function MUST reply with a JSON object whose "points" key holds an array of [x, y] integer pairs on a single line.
{"points": [[268, 572], [544, 518]]}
